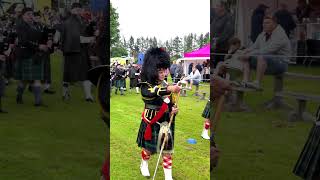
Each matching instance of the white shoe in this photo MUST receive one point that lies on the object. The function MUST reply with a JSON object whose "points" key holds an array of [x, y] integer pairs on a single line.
{"points": [[144, 168], [167, 174], [205, 135]]}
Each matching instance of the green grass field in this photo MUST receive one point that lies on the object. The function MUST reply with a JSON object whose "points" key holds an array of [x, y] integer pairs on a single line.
{"points": [[62, 142], [189, 161], [263, 145], [67, 140]]}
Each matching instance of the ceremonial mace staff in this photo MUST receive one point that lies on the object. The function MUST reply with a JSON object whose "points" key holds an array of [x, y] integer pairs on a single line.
{"points": [[175, 99]]}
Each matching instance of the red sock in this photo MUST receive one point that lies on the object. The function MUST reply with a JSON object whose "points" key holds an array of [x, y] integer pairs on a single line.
{"points": [[145, 156], [167, 162], [207, 125]]}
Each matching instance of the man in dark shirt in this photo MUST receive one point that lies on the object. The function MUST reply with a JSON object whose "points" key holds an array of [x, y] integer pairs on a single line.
{"points": [[285, 19], [222, 29]]}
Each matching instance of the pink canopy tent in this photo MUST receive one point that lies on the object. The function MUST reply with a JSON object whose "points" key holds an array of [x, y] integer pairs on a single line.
{"points": [[201, 52]]}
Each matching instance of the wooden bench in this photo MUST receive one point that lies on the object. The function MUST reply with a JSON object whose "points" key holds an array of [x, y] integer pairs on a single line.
{"points": [[298, 113], [302, 98]]}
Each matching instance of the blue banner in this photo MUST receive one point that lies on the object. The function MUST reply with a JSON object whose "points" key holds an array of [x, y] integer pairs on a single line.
{"points": [[98, 5], [140, 58]]}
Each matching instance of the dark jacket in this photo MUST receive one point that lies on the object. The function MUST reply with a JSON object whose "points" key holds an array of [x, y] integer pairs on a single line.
{"points": [[222, 28], [285, 19], [70, 35], [28, 38], [256, 22]]}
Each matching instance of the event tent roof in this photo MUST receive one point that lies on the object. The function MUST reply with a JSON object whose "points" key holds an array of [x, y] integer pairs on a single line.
{"points": [[201, 52]]}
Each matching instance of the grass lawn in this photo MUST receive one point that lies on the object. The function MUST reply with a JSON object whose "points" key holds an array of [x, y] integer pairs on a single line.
{"points": [[62, 142], [189, 161], [263, 145]]}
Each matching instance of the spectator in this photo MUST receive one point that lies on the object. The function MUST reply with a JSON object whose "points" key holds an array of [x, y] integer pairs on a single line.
{"points": [[272, 41], [190, 68], [285, 19], [303, 10], [199, 67], [257, 21], [172, 70], [178, 71], [222, 29], [194, 78]]}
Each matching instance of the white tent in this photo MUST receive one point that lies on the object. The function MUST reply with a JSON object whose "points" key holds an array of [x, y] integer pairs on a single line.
{"points": [[188, 60]]}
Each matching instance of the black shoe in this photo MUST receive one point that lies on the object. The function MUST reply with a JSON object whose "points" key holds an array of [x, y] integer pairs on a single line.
{"points": [[3, 111], [40, 105], [48, 91], [19, 100], [89, 100]]}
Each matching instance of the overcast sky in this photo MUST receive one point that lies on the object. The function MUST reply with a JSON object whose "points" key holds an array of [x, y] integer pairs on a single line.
{"points": [[163, 19]]}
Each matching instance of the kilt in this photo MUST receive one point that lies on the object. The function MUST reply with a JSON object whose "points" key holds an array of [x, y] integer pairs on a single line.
{"points": [[29, 69], [133, 82], [120, 83], [47, 67], [75, 67], [206, 111], [2, 86], [153, 143], [308, 164]]}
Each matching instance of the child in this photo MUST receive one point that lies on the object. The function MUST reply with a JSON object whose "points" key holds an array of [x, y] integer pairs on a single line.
{"points": [[158, 109]]}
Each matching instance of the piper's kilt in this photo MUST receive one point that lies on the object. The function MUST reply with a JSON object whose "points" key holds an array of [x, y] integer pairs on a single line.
{"points": [[206, 111], [133, 82], [75, 67], [120, 83], [47, 68], [153, 143], [308, 164], [29, 69]]}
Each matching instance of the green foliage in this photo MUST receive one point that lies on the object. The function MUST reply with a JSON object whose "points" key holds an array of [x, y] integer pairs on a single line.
{"points": [[118, 51], [114, 26]]}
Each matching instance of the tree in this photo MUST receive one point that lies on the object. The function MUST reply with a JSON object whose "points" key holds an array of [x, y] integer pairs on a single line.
{"points": [[114, 26], [177, 47], [118, 51], [188, 41], [201, 40], [206, 39], [154, 43], [131, 46]]}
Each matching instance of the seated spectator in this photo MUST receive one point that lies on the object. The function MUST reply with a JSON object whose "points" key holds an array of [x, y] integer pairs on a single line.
{"points": [[193, 78], [267, 54]]}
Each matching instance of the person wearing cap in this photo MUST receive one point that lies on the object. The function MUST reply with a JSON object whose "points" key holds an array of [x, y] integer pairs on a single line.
{"points": [[75, 52], [29, 68]]}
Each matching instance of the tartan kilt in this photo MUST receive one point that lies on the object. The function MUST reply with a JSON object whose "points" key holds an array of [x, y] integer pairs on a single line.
{"points": [[29, 69], [120, 83], [152, 144], [133, 82], [308, 164], [206, 111], [47, 67], [75, 67]]}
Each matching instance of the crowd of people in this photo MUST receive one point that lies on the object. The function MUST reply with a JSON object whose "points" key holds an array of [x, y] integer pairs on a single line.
{"points": [[29, 37]]}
